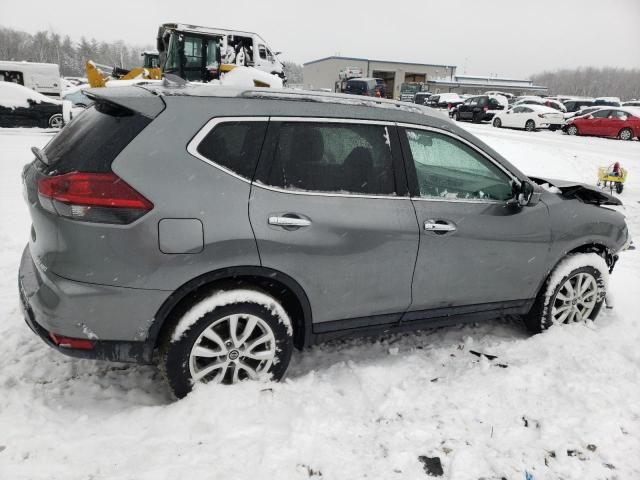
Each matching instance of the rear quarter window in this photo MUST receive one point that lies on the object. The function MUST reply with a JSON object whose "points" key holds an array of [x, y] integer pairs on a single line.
{"points": [[235, 146]]}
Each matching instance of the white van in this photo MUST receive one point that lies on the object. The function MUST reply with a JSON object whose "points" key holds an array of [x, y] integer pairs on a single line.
{"points": [[41, 77]]}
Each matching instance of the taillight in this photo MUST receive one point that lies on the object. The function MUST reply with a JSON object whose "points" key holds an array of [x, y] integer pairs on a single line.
{"points": [[92, 197], [485, 108], [76, 343]]}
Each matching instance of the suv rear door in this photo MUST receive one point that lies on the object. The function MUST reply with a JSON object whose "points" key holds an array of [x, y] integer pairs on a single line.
{"points": [[476, 253], [329, 207]]}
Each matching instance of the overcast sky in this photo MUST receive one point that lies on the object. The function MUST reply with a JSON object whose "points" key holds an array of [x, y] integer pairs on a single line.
{"points": [[504, 37]]}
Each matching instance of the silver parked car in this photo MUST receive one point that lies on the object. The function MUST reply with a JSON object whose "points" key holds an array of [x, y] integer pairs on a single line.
{"points": [[213, 230]]}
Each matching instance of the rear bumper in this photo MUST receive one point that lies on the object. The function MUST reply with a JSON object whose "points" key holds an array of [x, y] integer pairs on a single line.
{"points": [[116, 319]]}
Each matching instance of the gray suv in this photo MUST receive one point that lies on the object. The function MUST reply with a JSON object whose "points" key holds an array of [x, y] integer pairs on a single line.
{"points": [[212, 231]]}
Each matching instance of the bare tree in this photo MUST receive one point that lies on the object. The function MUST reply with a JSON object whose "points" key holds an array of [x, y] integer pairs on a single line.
{"points": [[592, 82]]}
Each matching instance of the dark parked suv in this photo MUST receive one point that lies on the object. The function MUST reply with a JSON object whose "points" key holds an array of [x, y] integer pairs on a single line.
{"points": [[478, 108], [368, 87], [213, 230]]}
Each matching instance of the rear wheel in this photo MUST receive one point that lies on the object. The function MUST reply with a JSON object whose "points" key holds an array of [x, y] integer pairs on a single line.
{"points": [[477, 118], [530, 126], [619, 187], [625, 134], [574, 292], [227, 338], [572, 130], [56, 121], [497, 122]]}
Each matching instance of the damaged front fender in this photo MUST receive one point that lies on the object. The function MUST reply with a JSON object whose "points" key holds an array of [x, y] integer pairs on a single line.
{"points": [[581, 191]]}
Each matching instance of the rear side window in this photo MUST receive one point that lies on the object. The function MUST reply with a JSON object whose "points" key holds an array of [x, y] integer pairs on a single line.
{"points": [[235, 146], [343, 158], [94, 139]]}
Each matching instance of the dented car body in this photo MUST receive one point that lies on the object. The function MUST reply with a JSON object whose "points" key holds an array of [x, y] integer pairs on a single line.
{"points": [[358, 216]]}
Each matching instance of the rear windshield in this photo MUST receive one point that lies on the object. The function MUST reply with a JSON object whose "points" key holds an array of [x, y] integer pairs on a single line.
{"points": [[94, 139], [357, 86]]}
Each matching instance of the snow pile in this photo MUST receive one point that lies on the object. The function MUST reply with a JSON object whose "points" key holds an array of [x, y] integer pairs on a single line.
{"points": [[245, 77], [13, 95], [220, 299]]}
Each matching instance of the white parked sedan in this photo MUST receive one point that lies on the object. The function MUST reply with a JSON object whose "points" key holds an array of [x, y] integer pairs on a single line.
{"points": [[529, 117]]}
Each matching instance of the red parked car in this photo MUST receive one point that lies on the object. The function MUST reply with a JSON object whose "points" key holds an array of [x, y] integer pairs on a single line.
{"points": [[622, 123]]}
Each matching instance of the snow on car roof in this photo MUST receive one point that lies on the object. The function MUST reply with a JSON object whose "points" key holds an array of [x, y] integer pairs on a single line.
{"points": [[539, 108], [13, 95]]}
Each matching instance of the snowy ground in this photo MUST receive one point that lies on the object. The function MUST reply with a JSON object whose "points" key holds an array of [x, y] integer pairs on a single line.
{"points": [[561, 405]]}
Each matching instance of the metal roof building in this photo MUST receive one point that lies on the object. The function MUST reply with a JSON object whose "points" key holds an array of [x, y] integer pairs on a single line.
{"points": [[474, 84], [322, 74]]}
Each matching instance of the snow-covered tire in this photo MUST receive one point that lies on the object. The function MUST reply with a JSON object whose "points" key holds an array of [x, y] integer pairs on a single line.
{"points": [[227, 337], [497, 122], [574, 292]]}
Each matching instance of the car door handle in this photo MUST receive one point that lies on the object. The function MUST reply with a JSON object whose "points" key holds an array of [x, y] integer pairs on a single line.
{"points": [[289, 220], [439, 226]]}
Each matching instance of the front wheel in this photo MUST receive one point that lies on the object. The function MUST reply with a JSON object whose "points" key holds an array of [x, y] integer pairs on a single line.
{"points": [[56, 121], [497, 122], [572, 130], [457, 116], [625, 134], [530, 126], [227, 338], [574, 292]]}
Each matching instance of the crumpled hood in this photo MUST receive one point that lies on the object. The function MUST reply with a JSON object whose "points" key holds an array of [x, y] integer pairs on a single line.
{"points": [[586, 193]]}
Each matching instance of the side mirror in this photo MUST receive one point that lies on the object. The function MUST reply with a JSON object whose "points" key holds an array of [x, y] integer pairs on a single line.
{"points": [[590, 117], [525, 195]]}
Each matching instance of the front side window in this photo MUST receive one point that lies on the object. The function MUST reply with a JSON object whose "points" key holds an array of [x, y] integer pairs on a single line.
{"points": [[262, 51], [601, 114], [339, 158], [446, 168], [234, 146]]}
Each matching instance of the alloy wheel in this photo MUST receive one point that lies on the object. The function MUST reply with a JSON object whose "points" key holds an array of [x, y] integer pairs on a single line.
{"points": [[625, 134], [233, 348], [575, 300], [56, 121]]}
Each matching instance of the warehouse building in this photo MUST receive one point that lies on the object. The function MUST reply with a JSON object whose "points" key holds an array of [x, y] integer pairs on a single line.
{"points": [[322, 74], [472, 84]]}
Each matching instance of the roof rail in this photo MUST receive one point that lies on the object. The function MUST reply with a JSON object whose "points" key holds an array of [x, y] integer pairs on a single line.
{"points": [[337, 98]]}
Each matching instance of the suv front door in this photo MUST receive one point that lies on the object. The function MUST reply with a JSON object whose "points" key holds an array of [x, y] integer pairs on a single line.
{"points": [[476, 252], [329, 207]]}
